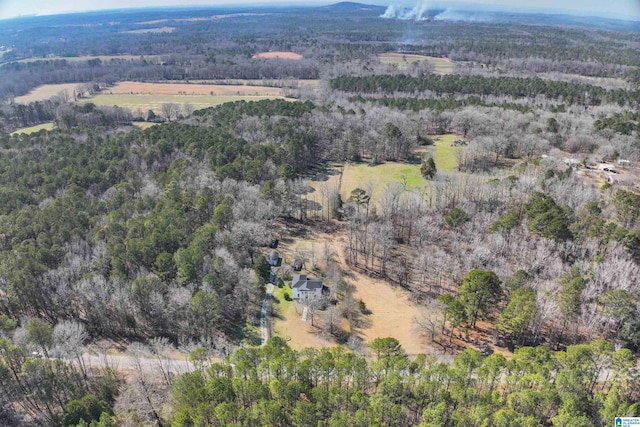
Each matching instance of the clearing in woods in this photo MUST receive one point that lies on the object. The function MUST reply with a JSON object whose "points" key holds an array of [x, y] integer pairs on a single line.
{"points": [[378, 177], [390, 312], [442, 65], [279, 55], [34, 129], [444, 153]]}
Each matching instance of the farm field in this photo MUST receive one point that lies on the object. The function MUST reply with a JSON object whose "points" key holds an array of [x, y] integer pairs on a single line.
{"points": [[442, 65], [154, 102], [141, 88], [285, 83], [45, 92], [163, 91], [34, 129], [146, 96], [280, 55]]}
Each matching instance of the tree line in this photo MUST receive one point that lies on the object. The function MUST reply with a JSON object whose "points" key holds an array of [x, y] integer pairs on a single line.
{"points": [[274, 385], [529, 87]]}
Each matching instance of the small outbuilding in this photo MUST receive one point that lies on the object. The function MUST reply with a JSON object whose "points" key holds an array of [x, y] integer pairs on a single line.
{"points": [[274, 259]]}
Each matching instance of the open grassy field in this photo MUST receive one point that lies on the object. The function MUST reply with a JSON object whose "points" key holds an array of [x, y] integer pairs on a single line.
{"points": [[281, 55], [445, 153], [359, 175], [154, 102], [34, 129], [442, 65], [45, 92], [147, 96], [378, 177]]}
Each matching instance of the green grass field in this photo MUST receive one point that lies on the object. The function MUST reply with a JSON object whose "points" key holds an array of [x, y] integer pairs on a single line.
{"points": [[280, 304], [34, 129], [445, 153], [358, 175], [380, 176], [154, 102], [442, 65]]}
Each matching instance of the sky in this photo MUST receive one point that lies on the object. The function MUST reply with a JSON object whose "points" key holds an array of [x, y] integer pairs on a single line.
{"points": [[13, 8]]}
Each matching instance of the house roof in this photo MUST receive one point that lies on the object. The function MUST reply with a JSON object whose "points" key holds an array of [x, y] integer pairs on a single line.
{"points": [[304, 283]]}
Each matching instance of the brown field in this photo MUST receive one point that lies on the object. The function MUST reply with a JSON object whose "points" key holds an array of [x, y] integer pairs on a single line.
{"points": [[288, 83], [138, 88], [45, 92], [281, 55]]}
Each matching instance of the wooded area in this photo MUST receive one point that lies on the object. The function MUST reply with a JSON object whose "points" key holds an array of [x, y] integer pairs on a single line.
{"points": [[522, 255]]}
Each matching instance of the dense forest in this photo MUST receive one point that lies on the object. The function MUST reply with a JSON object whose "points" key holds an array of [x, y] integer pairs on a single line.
{"points": [[151, 244]]}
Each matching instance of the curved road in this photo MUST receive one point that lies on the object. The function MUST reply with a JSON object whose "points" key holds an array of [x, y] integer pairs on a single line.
{"points": [[264, 330]]}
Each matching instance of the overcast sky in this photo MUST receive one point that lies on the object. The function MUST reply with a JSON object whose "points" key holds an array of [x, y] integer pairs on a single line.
{"points": [[12, 8]]}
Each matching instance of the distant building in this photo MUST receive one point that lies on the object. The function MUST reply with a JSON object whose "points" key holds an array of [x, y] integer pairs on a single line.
{"points": [[306, 287]]}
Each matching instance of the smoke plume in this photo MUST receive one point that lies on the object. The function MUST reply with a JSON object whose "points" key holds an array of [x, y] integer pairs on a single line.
{"points": [[418, 12], [455, 15]]}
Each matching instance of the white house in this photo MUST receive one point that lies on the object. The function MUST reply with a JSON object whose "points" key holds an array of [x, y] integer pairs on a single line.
{"points": [[306, 287]]}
